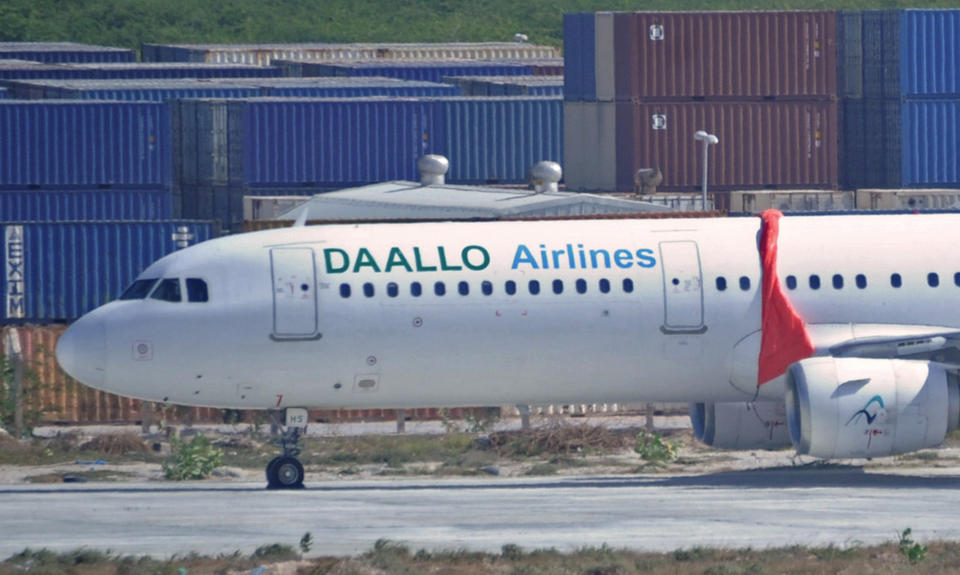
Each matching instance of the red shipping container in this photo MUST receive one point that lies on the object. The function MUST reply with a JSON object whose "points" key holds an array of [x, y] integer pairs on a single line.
{"points": [[725, 55], [763, 144]]}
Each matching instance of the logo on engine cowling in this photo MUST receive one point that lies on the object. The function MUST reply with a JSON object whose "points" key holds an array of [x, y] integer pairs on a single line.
{"points": [[871, 411]]}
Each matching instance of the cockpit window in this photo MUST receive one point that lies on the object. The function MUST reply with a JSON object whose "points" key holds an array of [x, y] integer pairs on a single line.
{"points": [[139, 289], [197, 290], [168, 290]]}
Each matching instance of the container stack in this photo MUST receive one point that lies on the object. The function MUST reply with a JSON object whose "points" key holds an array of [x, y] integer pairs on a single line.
{"points": [[224, 150], [638, 85], [900, 83]]}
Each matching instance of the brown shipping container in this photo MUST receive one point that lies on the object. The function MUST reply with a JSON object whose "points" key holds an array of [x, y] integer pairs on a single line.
{"points": [[725, 54], [765, 144]]}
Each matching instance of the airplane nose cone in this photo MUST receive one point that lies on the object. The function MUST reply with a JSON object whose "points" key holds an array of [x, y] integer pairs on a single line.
{"points": [[82, 351]]}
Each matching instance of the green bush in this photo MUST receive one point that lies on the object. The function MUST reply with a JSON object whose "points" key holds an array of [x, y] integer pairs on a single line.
{"points": [[653, 449], [195, 459]]}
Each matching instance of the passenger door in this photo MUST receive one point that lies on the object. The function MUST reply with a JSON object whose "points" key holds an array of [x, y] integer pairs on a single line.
{"points": [[294, 293], [682, 288]]}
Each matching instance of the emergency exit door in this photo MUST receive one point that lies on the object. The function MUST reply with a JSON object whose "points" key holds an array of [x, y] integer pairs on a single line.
{"points": [[294, 293], [682, 287]]}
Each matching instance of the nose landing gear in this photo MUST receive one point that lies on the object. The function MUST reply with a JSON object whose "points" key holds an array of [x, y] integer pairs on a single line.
{"points": [[286, 471]]}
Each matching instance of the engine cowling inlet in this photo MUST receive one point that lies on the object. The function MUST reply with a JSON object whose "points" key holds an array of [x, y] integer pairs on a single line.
{"points": [[741, 425], [855, 407]]}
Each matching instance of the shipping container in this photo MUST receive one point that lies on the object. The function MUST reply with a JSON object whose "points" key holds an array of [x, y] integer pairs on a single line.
{"points": [[269, 207], [85, 205], [56, 52], [24, 70], [923, 199], [58, 271], [590, 146], [3, 94], [317, 143], [871, 143], [174, 70], [644, 55], [265, 54], [363, 87], [931, 143], [900, 54], [508, 85], [429, 71], [756, 201], [133, 90], [71, 143], [497, 140], [763, 144], [930, 52]]}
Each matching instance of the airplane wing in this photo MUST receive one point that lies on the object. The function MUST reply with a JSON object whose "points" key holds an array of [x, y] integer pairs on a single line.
{"points": [[939, 346]]}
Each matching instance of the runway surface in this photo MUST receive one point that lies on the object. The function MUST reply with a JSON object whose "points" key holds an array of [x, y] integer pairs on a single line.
{"points": [[810, 506]]}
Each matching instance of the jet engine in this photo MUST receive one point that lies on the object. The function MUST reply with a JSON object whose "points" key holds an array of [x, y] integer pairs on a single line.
{"points": [[855, 407], [741, 425]]}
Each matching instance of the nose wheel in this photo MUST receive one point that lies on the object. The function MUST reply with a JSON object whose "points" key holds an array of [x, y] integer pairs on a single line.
{"points": [[286, 471]]}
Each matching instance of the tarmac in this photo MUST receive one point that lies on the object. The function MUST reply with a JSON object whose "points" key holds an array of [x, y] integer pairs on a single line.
{"points": [[812, 505]]}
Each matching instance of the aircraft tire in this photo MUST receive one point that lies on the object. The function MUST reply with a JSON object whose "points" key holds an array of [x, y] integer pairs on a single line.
{"points": [[285, 472]]}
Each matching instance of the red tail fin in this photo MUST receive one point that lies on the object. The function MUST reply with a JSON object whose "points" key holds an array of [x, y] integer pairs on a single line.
{"points": [[784, 338]]}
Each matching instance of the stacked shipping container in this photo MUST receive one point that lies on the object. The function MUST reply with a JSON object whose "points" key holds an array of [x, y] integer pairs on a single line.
{"points": [[638, 85], [224, 149], [900, 76]]}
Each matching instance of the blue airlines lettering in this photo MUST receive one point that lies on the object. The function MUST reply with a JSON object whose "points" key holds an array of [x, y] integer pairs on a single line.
{"points": [[579, 257], [865, 412]]}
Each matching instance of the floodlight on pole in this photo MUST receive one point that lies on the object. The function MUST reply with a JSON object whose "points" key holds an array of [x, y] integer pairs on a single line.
{"points": [[707, 139]]}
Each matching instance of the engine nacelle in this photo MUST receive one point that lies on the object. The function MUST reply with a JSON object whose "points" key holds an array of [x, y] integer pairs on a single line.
{"points": [[854, 407], [741, 425]]}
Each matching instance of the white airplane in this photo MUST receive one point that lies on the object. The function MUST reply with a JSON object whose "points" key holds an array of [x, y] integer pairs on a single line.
{"points": [[836, 333]]}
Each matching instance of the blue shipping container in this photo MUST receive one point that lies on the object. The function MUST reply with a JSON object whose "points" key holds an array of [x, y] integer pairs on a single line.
{"points": [[56, 52], [70, 144], [170, 71], [56, 272], [315, 142], [23, 70], [3, 93], [355, 88], [134, 90], [497, 140], [427, 71], [85, 205], [930, 52], [579, 52], [931, 143]]}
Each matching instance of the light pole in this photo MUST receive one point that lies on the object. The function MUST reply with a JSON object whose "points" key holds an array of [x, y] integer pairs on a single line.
{"points": [[707, 139]]}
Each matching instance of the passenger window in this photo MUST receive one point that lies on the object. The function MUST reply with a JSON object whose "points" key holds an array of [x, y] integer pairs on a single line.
{"points": [[604, 285], [933, 280], [439, 289], [558, 287], [582, 286], [895, 280], [140, 288], [721, 283], [627, 285], [956, 279], [368, 289], [486, 287], [814, 281], [168, 290], [197, 290], [791, 282], [416, 289], [837, 281], [534, 286], [463, 288], [861, 281], [393, 290], [344, 290], [510, 287], [744, 283]]}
